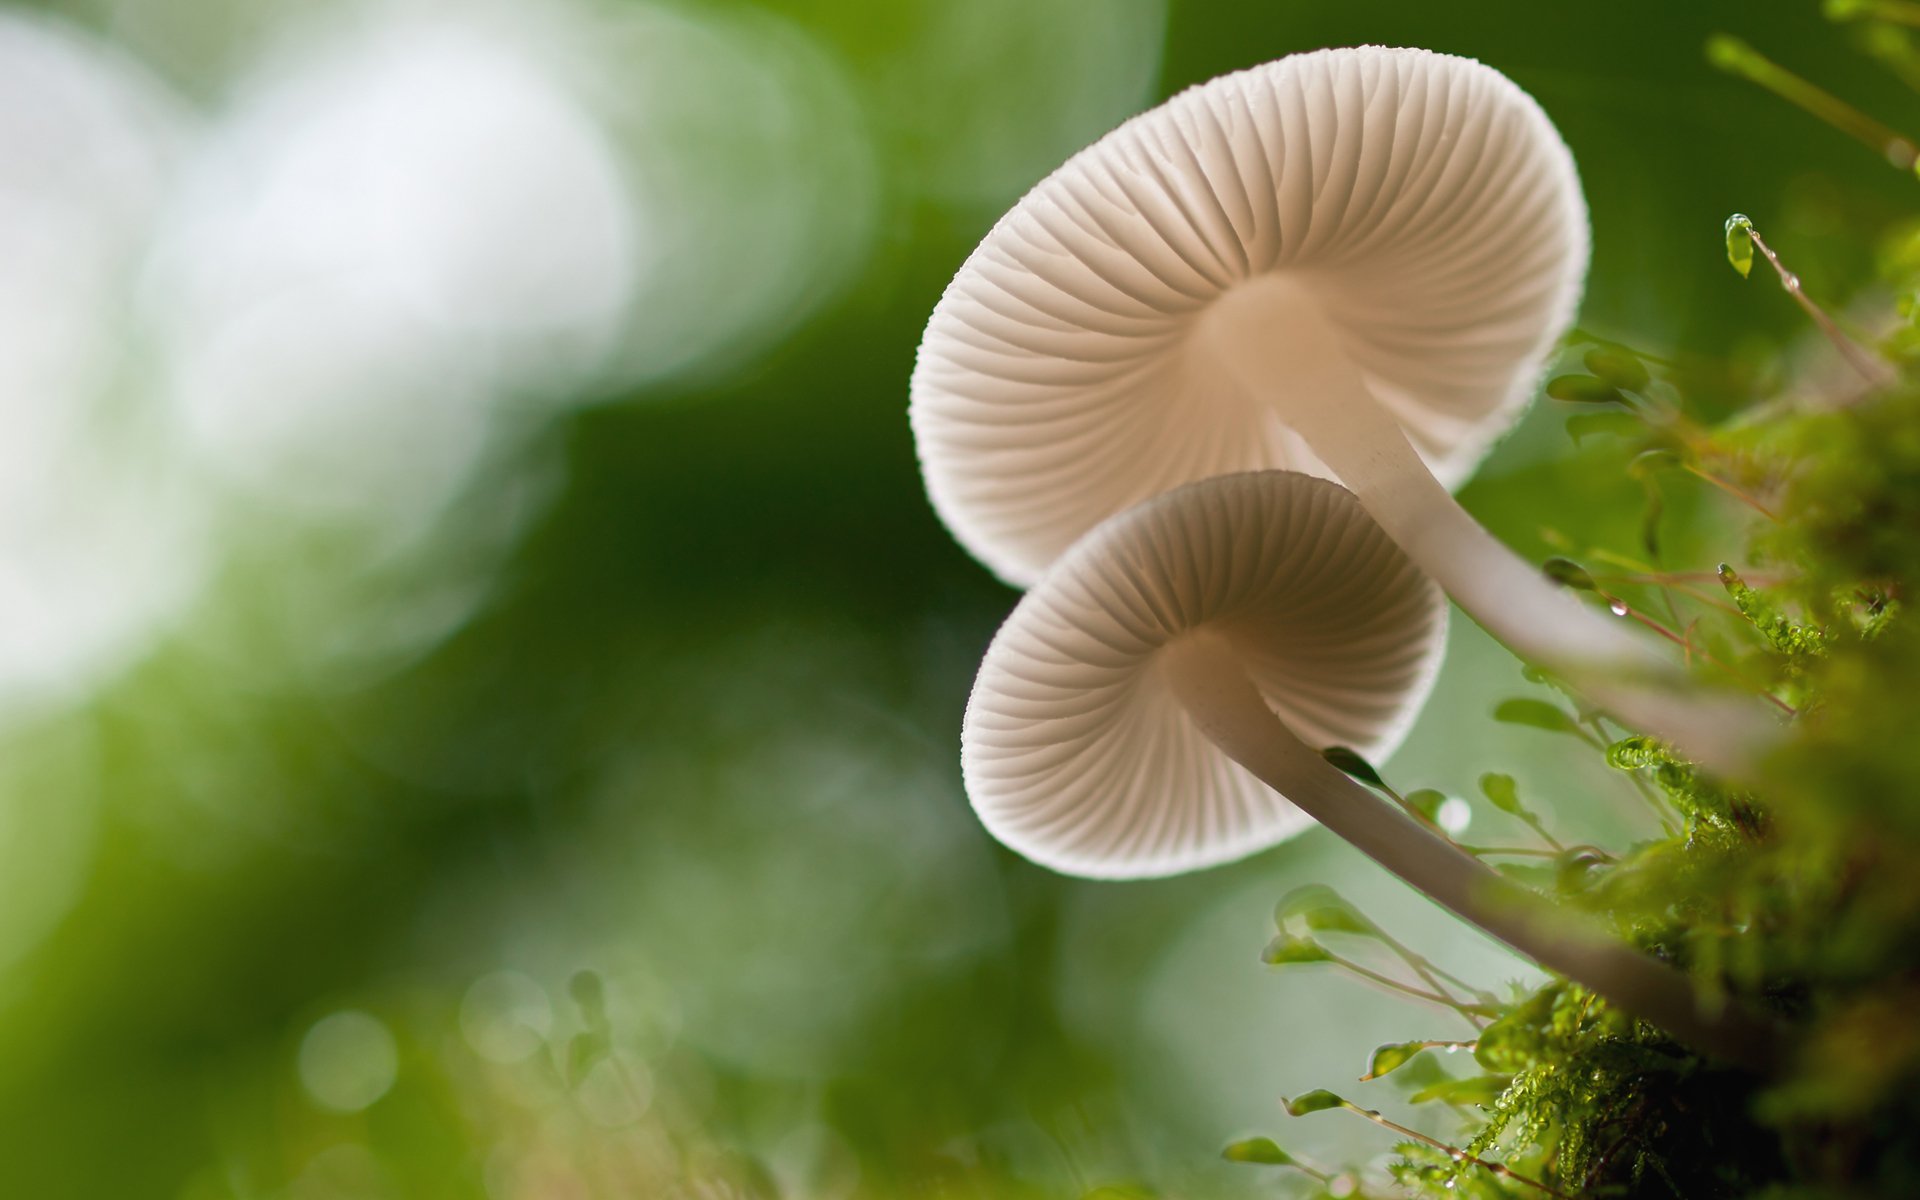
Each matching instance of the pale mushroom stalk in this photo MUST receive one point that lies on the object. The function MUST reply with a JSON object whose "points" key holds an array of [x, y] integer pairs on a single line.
{"points": [[1203, 672], [1273, 329]]}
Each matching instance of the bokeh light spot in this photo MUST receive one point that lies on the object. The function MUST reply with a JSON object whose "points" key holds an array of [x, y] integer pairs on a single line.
{"points": [[99, 547], [506, 1017], [347, 1061]]}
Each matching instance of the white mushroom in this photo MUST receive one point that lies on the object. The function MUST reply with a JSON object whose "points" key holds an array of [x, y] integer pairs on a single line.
{"points": [[1158, 701], [1349, 262], [1339, 632]]}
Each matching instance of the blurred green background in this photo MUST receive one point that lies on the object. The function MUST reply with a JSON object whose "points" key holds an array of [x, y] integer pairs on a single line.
{"points": [[462, 531]]}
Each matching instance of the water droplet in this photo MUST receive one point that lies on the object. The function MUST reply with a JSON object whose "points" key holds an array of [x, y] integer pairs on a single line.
{"points": [[1619, 608]]}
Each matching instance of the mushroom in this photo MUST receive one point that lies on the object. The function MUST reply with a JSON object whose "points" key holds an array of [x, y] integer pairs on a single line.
{"points": [[1154, 705], [1349, 262]]}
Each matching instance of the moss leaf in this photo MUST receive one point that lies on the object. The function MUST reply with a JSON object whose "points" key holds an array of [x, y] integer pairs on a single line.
{"points": [[1318, 1100], [1256, 1150]]}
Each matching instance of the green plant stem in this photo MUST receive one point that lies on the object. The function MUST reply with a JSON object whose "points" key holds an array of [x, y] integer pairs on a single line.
{"points": [[1672, 583], [1687, 647], [1532, 851], [1874, 372], [1419, 965], [1533, 822], [1430, 1045], [1406, 989], [1730, 490], [1411, 811], [1415, 962], [1454, 1152], [1736, 57]]}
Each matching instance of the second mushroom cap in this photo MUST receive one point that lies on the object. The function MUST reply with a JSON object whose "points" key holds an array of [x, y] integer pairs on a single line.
{"points": [[1077, 752]]}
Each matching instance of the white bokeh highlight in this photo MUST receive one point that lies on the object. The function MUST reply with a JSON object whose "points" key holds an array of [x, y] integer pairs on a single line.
{"points": [[754, 164], [417, 234], [347, 1061], [99, 543], [392, 231]]}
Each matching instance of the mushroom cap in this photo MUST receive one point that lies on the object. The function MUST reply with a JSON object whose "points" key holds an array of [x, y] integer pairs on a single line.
{"points": [[1076, 751], [1422, 202]]}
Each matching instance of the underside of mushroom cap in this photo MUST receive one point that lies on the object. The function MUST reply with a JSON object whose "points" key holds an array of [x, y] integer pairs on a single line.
{"points": [[1076, 751], [1422, 203]]}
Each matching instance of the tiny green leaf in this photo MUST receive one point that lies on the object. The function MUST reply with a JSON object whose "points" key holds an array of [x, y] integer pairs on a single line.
{"points": [[1584, 389], [1511, 1043], [1346, 760], [1739, 230], [1581, 426], [1391, 1057], [1619, 367], [1286, 950], [1322, 910], [1475, 1090], [1423, 1070], [1536, 714], [1426, 802], [1256, 1150], [1318, 1100], [1568, 573], [1339, 920], [1501, 790]]}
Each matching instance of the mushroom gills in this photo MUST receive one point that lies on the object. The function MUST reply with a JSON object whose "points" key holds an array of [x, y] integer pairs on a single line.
{"points": [[1273, 328]]}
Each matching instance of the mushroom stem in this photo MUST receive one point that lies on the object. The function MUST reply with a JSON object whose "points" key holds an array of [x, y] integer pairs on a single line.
{"points": [[1205, 676], [1274, 330]]}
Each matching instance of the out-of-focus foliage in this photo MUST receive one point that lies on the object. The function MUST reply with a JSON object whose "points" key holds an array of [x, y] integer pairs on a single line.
{"points": [[480, 679]]}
